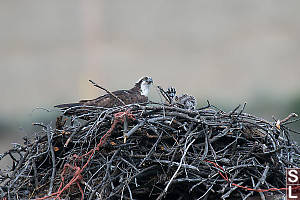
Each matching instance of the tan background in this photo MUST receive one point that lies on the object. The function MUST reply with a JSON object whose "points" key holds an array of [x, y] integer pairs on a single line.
{"points": [[225, 51]]}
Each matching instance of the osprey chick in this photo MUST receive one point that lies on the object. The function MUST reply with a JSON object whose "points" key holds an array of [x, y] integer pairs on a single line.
{"points": [[186, 101], [137, 94]]}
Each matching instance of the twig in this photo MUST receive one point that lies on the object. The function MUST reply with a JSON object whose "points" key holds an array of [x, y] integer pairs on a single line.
{"points": [[98, 86], [165, 95], [174, 175], [134, 129], [49, 136], [151, 150]]}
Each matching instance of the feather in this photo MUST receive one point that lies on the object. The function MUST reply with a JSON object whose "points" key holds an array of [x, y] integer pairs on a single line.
{"points": [[137, 94]]}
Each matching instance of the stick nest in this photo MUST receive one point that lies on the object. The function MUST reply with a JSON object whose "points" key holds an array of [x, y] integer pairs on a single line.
{"points": [[152, 151]]}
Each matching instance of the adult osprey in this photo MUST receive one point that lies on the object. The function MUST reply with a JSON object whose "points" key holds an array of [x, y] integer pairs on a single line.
{"points": [[137, 94]]}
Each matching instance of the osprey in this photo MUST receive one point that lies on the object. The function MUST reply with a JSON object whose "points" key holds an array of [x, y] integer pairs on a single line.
{"points": [[185, 101], [137, 94]]}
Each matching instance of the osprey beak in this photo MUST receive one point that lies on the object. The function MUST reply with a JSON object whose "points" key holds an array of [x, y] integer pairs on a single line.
{"points": [[150, 81]]}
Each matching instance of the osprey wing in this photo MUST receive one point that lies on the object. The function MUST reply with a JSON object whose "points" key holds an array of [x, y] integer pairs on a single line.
{"points": [[108, 101]]}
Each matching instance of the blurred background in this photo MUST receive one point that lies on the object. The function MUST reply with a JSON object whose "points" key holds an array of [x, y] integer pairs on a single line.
{"points": [[227, 52]]}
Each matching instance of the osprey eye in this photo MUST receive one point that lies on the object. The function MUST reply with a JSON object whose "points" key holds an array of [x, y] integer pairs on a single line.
{"points": [[150, 80]]}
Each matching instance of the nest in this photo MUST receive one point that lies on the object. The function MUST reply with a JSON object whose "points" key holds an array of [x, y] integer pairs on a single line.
{"points": [[152, 151]]}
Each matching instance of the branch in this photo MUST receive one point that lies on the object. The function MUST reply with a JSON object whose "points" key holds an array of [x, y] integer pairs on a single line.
{"points": [[98, 86]]}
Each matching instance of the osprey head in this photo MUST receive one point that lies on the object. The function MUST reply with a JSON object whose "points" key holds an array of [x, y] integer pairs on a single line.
{"points": [[144, 84], [189, 102]]}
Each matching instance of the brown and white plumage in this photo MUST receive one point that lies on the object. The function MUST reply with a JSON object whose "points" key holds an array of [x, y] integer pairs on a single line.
{"points": [[189, 102], [185, 101], [137, 94]]}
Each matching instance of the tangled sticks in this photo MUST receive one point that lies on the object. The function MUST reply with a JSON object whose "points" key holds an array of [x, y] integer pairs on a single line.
{"points": [[152, 151]]}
